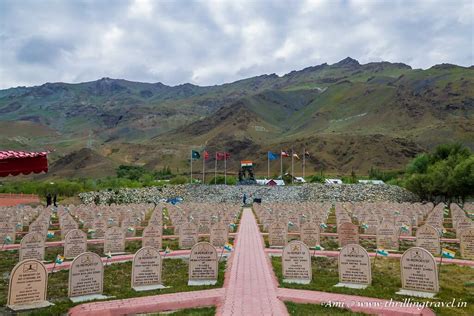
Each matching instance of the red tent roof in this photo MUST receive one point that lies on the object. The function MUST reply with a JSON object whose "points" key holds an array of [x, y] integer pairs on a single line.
{"points": [[16, 162]]}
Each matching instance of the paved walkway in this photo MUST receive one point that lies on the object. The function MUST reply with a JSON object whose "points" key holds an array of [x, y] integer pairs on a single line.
{"points": [[250, 288]]}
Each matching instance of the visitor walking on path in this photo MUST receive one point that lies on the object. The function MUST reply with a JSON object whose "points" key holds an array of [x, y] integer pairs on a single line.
{"points": [[48, 200], [245, 199]]}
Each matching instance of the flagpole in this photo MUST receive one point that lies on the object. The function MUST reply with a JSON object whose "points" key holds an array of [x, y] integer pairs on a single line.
{"points": [[203, 168], [292, 168], [225, 167], [281, 165], [304, 160], [215, 169], [268, 167], [191, 178]]}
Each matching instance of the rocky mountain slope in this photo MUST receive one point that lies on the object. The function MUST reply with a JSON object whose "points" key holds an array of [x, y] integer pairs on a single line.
{"points": [[347, 115]]}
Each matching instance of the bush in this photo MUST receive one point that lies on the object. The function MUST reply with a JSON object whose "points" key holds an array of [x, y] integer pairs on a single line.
{"points": [[317, 179], [447, 174], [179, 180], [221, 180]]}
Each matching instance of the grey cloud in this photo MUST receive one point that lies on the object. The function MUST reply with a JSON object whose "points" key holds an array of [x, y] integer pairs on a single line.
{"points": [[212, 42]]}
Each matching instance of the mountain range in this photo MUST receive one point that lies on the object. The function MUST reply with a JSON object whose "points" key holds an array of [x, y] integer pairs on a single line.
{"points": [[348, 116]]}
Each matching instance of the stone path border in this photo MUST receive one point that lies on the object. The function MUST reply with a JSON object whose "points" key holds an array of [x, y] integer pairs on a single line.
{"points": [[250, 288]]}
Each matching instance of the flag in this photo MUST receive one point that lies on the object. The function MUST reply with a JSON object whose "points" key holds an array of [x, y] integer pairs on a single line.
{"points": [[446, 253], [405, 228], [108, 255], [323, 226], [131, 229], [167, 250], [59, 259], [90, 231], [364, 226], [228, 246], [382, 252], [306, 153], [272, 156], [19, 225], [319, 247], [284, 154], [290, 224], [195, 154], [222, 155], [205, 154], [50, 234], [397, 212], [444, 230], [7, 239], [446, 211], [232, 225], [295, 155]]}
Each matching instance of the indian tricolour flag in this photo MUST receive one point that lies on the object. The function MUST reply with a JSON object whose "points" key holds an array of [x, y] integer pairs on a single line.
{"points": [[446, 253], [246, 163]]}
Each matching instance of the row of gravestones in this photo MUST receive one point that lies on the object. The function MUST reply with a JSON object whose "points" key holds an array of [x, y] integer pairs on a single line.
{"points": [[28, 279], [32, 245], [370, 216], [419, 273], [387, 238]]}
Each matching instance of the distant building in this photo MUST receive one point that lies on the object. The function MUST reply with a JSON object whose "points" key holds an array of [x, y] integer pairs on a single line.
{"points": [[333, 181], [270, 182], [371, 182], [299, 180]]}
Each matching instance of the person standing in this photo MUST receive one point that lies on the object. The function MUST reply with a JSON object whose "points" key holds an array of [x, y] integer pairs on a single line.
{"points": [[55, 200], [245, 199], [48, 200]]}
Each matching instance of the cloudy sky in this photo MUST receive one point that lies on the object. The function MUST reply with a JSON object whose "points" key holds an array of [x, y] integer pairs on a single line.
{"points": [[211, 42]]}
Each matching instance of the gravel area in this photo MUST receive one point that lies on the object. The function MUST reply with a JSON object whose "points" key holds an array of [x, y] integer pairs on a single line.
{"points": [[233, 194]]}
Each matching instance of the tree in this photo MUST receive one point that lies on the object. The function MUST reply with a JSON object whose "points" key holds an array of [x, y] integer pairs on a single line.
{"points": [[447, 173]]}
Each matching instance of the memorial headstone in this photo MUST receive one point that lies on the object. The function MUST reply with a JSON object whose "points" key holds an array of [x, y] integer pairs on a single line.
{"points": [[296, 262], [466, 239], [28, 286], [277, 234], [427, 237], [347, 233], [32, 247], [86, 278], [188, 235], [152, 237], [7, 232], [114, 241], [219, 234], [146, 270], [310, 234], [75, 243], [387, 236], [354, 267], [419, 273], [203, 265]]}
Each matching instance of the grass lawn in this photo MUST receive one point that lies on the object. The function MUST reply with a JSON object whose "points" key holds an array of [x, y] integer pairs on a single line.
{"points": [[116, 283], [455, 282]]}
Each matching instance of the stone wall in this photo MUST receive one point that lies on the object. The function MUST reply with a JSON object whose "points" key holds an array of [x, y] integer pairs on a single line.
{"points": [[223, 193]]}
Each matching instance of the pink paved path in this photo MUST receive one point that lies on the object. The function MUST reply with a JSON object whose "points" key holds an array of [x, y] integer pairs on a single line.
{"points": [[250, 288], [251, 285]]}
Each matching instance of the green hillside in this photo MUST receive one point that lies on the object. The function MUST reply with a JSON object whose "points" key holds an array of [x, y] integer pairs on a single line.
{"points": [[350, 116]]}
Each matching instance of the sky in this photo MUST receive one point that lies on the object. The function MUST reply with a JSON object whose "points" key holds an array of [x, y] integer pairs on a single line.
{"points": [[213, 42]]}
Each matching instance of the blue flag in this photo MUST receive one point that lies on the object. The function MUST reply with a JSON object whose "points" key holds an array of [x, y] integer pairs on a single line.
{"points": [[272, 156]]}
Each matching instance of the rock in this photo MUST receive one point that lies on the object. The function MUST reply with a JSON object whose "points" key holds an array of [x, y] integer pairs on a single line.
{"points": [[233, 194]]}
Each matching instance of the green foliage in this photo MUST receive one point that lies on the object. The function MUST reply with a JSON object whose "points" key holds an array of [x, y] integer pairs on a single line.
{"points": [[446, 173], [317, 179], [385, 176], [164, 173], [221, 180], [179, 180], [130, 172]]}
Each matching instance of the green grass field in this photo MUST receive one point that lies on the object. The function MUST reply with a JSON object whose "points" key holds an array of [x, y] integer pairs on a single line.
{"points": [[455, 282], [116, 284]]}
